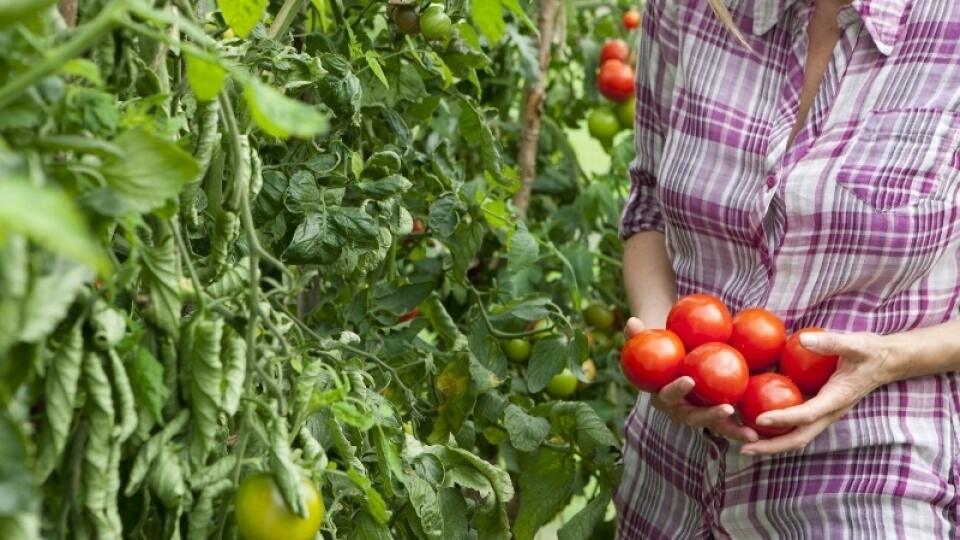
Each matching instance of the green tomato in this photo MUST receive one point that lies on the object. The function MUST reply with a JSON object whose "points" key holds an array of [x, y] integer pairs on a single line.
{"points": [[603, 124], [539, 328], [262, 514], [562, 385], [517, 350], [435, 23], [626, 113], [598, 316]]}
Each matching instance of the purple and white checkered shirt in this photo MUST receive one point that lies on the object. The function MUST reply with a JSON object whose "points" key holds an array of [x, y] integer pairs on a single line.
{"points": [[855, 227]]}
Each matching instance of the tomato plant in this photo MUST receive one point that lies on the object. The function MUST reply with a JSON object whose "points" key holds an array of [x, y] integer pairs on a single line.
{"points": [[760, 336], [719, 374], [262, 513], [616, 80], [767, 392], [603, 124], [652, 359], [615, 49], [809, 370], [699, 319]]}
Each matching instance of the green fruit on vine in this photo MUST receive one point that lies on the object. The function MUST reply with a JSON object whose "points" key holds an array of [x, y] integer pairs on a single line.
{"points": [[262, 513], [517, 350], [603, 124], [562, 385], [435, 23], [539, 328], [626, 112], [598, 316], [405, 17]]}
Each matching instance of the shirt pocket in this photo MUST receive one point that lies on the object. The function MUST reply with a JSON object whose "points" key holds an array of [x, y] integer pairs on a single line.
{"points": [[897, 157]]}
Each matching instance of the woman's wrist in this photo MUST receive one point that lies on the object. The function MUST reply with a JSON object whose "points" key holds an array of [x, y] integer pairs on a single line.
{"points": [[898, 352]]}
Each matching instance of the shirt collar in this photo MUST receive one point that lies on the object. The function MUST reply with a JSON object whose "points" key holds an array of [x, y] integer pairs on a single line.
{"points": [[882, 18]]}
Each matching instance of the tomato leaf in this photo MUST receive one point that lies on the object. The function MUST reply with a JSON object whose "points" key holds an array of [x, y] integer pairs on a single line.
{"points": [[49, 298], [242, 15], [373, 60], [146, 376], [60, 389], [582, 525], [549, 357], [487, 15], [476, 131], [161, 280], [282, 117], [526, 432], [522, 250], [206, 78], [546, 482], [372, 498]]}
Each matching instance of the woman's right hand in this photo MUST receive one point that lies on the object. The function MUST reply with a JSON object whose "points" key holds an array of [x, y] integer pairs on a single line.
{"points": [[670, 400]]}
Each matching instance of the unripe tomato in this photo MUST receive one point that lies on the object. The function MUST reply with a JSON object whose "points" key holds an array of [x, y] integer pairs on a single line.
{"points": [[405, 17], [598, 316], [517, 350], [539, 328], [808, 369], [651, 359], [627, 113], [615, 80], [768, 392], [435, 23], [603, 124], [759, 335], [719, 374], [699, 319], [615, 49], [562, 385], [631, 19], [589, 373], [262, 514]]}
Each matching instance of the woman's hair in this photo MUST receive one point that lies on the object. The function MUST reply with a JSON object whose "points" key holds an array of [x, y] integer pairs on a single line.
{"points": [[722, 13]]}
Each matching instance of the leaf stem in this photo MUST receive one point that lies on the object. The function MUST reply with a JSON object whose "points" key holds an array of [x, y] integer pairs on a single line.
{"points": [[201, 300]]}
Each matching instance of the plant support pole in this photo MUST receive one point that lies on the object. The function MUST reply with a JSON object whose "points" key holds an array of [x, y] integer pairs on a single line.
{"points": [[534, 97]]}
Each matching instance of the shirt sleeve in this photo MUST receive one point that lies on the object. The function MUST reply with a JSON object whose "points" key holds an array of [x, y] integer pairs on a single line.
{"points": [[656, 69]]}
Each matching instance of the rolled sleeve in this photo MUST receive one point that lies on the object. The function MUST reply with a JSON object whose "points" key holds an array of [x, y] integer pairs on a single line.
{"points": [[656, 70]]}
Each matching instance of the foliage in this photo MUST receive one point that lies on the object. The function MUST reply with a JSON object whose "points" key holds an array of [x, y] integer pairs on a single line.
{"points": [[207, 247]]}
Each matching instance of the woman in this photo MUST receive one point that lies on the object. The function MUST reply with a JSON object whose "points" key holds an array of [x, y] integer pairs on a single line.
{"points": [[811, 169]]}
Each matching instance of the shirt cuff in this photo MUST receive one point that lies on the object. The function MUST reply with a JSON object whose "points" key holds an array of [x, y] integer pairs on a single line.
{"points": [[642, 211]]}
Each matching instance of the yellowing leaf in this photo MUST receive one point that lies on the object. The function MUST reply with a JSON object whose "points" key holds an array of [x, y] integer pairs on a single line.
{"points": [[242, 15], [205, 78]]}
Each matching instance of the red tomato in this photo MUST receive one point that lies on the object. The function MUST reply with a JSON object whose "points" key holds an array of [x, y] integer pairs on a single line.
{"points": [[418, 226], [759, 335], [768, 392], [719, 373], [631, 19], [651, 359], [699, 319], [808, 369], [412, 314], [615, 80], [615, 49]]}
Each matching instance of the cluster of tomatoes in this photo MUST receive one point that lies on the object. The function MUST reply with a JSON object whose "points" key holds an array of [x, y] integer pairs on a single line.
{"points": [[433, 22], [615, 81], [746, 360]]}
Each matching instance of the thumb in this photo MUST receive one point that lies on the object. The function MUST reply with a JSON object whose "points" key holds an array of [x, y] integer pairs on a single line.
{"points": [[634, 327], [831, 343]]}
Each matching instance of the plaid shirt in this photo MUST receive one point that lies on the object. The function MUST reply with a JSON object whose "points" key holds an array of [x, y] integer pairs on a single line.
{"points": [[855, 227]]}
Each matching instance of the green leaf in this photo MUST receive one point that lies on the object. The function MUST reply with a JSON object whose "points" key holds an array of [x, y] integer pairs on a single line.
{"points": [[453, 508], [372, 498], [314, 241], [488, 17], [200, 351], [526, 432], [50, 297], [474, 128], [282, 117], [60, 387], [426, 504], [14, 11], [151, 171], [81, 67], [206, 78], [347, 412], [242, 15], [577, 421], [582, 525], [515, 8], [146, 377], [443, 215], [401, 299], [549, 357], [161, 280], [50, 219], [546, 482], [522, 250], [18, 493], [385, 187], [355, 225], [373, 60]]}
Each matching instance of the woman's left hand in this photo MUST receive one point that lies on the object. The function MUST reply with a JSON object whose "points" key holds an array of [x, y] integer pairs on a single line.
{"points": [[867, 361]]}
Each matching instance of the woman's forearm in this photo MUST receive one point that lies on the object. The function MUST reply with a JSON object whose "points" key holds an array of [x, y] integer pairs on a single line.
{"points": [[648, 278], [926, 351]]}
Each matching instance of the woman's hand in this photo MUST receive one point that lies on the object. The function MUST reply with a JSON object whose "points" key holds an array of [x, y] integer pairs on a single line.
{"points": [[867, 361], [670, 400]]}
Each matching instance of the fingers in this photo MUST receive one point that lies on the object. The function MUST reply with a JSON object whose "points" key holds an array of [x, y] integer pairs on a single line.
{"points": [[832, 343], [672, 394], [703, 416], [829, 401], [634, 327], [730, 429], [795, 440]]}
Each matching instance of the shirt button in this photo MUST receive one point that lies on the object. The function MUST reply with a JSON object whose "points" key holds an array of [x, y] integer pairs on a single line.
{"points": [[771, 181], [712, 452]]}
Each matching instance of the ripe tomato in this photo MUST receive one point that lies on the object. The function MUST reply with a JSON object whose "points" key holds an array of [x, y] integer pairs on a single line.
{"points": [[768, 392], [603, 125], [589, 373], [262, 514], [651, 359], [626, 113], [562, 385], [405, 17], [615, 49], [699, 319], [412, 314], [517, 350], [598, 316], [418, 226], [808, 369], [435, 23], [759, 335], [631, 19], [719, 373], [615, 80]]}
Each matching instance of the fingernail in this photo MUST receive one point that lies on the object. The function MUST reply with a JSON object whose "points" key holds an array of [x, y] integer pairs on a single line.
{"points": [[764, 422], [727, 409], [747, 453], [809, 340]]}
